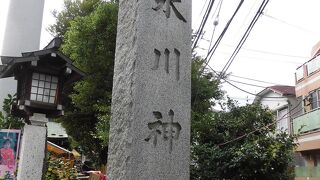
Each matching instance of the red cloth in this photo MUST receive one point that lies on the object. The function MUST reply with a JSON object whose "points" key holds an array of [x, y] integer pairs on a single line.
{"points": [[97, 175], [7, 156]]}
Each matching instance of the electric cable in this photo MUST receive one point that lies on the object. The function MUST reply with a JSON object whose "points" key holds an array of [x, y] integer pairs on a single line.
{"points": [[263, 127], [244, 37], [224, 79], [249, 84], [289, 24], [203, 23], [216, 44], [215, 22]]}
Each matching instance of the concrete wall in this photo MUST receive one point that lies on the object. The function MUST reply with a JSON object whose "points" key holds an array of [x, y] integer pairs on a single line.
{"points": [[308, 83], [274, 101], [22, 34]]}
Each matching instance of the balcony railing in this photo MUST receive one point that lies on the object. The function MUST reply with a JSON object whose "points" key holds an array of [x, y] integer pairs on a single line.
{"points": [[307, 171], [307, 122]]}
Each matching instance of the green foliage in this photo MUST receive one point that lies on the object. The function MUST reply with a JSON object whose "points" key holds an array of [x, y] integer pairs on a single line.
{"points": [[89, 28], [90, 41], [59, 169], [8, 121], [205, 92], [72, 9], [264, 154], [205, 88]]}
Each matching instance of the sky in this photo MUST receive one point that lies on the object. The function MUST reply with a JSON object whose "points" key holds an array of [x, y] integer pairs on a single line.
{"points": [[280, 41]]}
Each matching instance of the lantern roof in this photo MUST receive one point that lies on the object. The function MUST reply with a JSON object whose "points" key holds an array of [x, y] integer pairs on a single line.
{"points": [[50, 56]]}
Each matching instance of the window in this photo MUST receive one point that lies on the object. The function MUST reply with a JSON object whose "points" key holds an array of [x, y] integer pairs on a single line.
{"points": [[44, 88], [313, 65], [299, 73], [282, 120], [314, 100]]}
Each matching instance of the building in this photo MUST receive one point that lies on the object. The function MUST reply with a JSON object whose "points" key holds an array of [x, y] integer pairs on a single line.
{"points": [[308, 123], [281, 100]]}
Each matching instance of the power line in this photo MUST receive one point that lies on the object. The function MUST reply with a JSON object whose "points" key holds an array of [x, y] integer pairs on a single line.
{"points": [[247, 83], [270, 53], [263, 127], [264, 59], [203, 23], [251, 99], [204, 5], [215, 22], [261, 51], [244, 37], [214, 47], [289, 24], [253, 79], [219, 39], [224, 79]]}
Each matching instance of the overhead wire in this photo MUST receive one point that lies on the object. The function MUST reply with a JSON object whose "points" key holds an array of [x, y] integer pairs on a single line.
{"points": [[244, 37], [289, 24], [245, 57], [215, 22], [270, 53], [204, 5], [263, 127], [249, 84], [202, 24], [217, 42], [227, 81], [260, 51], [266, 82]]}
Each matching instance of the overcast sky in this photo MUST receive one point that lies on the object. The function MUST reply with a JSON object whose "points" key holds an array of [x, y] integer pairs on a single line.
{"points": [[280, 41]]}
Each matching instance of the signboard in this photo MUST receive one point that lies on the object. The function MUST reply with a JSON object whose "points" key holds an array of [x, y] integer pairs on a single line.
{"points": [[9, 149]]}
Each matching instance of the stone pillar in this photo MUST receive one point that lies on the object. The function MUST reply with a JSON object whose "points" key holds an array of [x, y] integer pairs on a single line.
{"points": [[33, 148], [151, 101]]}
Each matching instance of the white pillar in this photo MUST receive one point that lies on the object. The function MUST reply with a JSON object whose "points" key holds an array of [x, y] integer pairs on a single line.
{"points": [[33, 146], [22, 33]]}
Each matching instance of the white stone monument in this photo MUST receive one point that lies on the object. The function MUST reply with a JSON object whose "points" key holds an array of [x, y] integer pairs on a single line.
{"points": [[151, 102], [33, 149], [22, 34]]}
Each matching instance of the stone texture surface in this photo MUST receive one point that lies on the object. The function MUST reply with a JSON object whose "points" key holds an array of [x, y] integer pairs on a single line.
{"points": [[145, 91], [32, 152]]}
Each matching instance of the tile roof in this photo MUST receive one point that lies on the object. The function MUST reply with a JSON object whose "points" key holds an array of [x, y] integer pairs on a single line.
{"points": [[284, 90]]}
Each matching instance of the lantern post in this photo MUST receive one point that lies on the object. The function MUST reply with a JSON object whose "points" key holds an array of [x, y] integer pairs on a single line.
{"points": [[41, 77]]}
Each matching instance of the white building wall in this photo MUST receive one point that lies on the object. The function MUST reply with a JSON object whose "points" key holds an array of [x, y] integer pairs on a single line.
{"points": [[274, 101], [22, 34], [282, 106]]}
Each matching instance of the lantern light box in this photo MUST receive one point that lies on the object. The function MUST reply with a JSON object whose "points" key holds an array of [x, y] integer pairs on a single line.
{"points": [[41, 77]]}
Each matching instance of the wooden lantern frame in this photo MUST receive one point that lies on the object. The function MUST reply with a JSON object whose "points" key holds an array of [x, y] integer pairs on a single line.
{"points": [[57, 70]]}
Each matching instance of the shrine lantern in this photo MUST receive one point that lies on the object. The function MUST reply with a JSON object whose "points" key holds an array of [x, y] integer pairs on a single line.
{"points": [[41, 77]]}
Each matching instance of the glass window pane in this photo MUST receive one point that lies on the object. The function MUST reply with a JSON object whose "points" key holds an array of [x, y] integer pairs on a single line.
{"points": [[42, 77], [41, 83], [40, 90], [48, 78], [33, 97], [53, 93], [39, 97], [46, 92], [314, 101], [54, 79], [35, 82], [34, 90], [46, 99], [47, 85], [51, 100], [53, 86], [35, 75]]}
